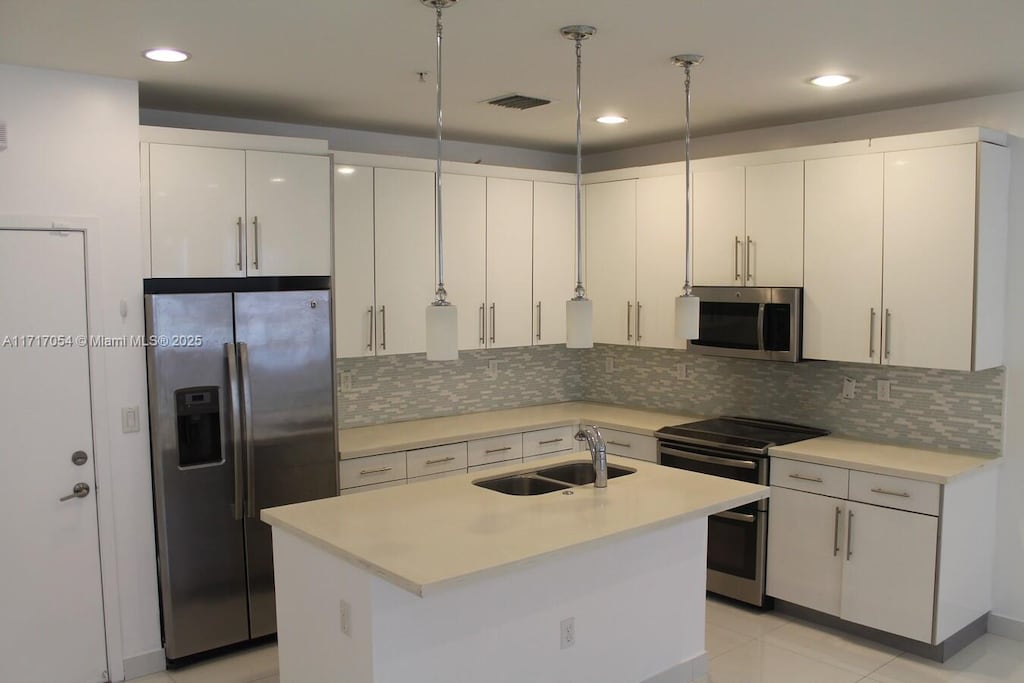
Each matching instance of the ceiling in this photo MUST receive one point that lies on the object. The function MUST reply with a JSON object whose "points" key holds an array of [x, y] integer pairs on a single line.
{"points": [[354, 63]]}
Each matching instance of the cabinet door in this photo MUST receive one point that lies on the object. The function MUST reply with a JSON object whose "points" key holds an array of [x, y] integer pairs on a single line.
{"points": [[554, 258], [929, 214], [464, 209], [197, 207], [718, 226], [774, 248], [843, 259], [353, 262], [805, 560], [288, 201], [404, 258], [611, 260], [509, 262], [889, 576], [660, 253]]}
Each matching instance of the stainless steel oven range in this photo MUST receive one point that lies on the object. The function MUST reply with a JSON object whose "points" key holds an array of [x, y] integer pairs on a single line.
{"points": [[734, 448]]}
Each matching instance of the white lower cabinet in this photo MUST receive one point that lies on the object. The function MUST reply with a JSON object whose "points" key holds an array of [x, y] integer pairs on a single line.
{"points": [[375, 469], [508, 447], [447, 458], [629, 445]]}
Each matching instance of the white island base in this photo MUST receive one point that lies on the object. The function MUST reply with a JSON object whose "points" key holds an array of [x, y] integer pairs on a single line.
{"points": [[637, 601]]}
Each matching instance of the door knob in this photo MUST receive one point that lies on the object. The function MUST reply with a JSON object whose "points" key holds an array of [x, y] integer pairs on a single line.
{"points": [[81, 490]]}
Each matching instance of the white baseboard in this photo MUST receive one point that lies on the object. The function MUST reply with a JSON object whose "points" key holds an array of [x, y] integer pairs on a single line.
{"points": [[684, 672], [142, 665], [1006, 627]]}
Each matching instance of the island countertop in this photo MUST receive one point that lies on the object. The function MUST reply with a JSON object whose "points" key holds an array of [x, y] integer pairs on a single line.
{"points": [[434, 534]]}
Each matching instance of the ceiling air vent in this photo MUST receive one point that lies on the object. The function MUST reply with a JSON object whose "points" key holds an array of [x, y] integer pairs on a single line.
{"points": [[518, 102]]}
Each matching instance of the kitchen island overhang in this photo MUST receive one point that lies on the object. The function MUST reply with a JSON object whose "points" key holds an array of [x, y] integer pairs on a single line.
{"points": [[447, 581]]}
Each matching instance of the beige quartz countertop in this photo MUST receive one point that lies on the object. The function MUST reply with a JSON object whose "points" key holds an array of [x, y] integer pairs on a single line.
{"points": [[429, 535], [400, 436], [901, 461]]}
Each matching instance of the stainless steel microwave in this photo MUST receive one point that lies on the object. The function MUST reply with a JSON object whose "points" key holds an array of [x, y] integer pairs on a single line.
{"points": [[763, 323]]}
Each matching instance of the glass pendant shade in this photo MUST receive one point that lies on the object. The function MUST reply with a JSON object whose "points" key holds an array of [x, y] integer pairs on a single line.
{"points": [[442, 332], [687, 317], [579, 324]]}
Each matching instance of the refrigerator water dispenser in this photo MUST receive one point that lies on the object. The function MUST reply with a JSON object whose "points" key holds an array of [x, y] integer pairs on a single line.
{"points": [[198, 418]]}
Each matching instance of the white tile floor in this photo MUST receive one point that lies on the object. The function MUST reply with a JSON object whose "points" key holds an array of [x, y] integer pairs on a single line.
{"points": [[744, 646]]}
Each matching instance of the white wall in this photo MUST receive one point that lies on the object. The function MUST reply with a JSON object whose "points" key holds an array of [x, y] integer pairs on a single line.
{"points": [[73, 151]]}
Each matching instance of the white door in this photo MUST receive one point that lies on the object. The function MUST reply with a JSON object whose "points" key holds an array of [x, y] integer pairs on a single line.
{"points": [[660, 254], [404, 258], [353, 262], [843, 259], [465, 253], [509, 262], [611, 260], [718, 227], [774, 248], [51, 622], [554, 258], [197, 210], [288, 200]]}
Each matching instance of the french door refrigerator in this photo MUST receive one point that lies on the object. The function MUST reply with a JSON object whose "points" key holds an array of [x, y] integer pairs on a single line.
{"points": [[242, 417]]}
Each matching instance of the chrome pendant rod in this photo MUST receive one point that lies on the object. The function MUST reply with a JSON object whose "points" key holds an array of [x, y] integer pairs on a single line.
{"points": [[578, 34], [687, 62]]}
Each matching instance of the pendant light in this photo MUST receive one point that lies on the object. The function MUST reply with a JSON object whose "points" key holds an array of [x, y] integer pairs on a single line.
{"points": [[442, 318], [579, 311], [687, 305]]}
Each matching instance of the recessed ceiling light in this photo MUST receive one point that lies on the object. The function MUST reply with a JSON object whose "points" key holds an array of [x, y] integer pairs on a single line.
{"points": [[346, 170], [166, 54], [611, 119], [831, 80]]}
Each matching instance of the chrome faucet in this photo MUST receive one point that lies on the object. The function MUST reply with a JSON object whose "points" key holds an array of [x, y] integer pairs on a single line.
{"points": [[592, 435]]}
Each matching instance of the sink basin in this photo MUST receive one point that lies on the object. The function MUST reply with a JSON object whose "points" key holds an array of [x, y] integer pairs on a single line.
{"points": [[521, 485], [580, 473]]}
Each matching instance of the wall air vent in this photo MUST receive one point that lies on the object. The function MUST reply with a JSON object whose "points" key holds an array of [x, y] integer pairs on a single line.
{"points": [[518, 102], [3, 135]]}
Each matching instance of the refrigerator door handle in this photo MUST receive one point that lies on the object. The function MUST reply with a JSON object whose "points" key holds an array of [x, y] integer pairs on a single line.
{"points": [[250, 473], [238, 509]]}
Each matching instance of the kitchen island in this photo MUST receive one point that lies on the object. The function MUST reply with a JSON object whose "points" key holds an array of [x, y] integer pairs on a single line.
{"points": [[445, 581]]}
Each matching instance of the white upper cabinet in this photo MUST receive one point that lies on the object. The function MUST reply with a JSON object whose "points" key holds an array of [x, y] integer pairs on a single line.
{"points": [[354, 311], [509, 262], [843, 259], [554, 258], [403, 258], [660, 261], [288, 201], [464, 212], [611, 260], [719, 231], [774, 247], [197, 211]]}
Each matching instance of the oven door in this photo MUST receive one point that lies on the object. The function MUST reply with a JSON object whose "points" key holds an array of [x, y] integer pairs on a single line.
{"points": [[748, 468]]}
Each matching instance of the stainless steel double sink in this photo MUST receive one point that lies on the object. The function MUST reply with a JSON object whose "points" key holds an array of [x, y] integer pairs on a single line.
{"points": [[547, 479]]}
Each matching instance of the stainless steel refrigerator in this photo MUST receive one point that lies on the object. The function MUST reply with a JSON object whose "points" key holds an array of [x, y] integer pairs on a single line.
{"points": [[241, 397]]}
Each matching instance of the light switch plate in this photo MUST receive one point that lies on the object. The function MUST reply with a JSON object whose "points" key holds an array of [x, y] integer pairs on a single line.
{"points": [[492, 369], [849, 387], [129, 420], [883, 391], [346, 381]]}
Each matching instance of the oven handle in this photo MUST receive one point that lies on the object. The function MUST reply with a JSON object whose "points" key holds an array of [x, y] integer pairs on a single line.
{"points": [[736, 517], [710, 459], [711, 444]]}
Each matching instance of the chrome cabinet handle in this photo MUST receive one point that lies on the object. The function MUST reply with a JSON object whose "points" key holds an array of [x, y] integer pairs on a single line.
{"points": [[617, 443], [236, 429], [498, 450], [849, 536], [250, 445], [547, 441], [736, 257], [440, 460], [493, 320], [871, 335], [383, 329], [483, 332], [736, 516], [539, 318], [369, 336], [629, 321], [835, 532], [241, 236], [750, 275], [638, 309], [256, 242], [81, 490], [801, 477], [888, 333], [886, 492], [375, 471]]}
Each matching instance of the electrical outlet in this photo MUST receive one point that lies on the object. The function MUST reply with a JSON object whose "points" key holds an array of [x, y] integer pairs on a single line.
{"points": [[492, 369], [568, 633], [684, 371], [883, 390], [849, 387], [609, 365], [346, 381], [346, 619], [129, 420]]}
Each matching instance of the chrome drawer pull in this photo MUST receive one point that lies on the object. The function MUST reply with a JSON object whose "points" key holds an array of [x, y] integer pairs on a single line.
{"points": [[498, 450], [375, 471], [547, 441], [801, 477], [440, 460], [616, 443], [884, 492]]}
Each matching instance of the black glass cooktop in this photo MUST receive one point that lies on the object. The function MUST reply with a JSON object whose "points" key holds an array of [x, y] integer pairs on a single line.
{"points": [[743, 432]]}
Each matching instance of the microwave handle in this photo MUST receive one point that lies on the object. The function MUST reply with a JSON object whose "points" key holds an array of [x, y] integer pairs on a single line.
{"points": [[760, 327]]}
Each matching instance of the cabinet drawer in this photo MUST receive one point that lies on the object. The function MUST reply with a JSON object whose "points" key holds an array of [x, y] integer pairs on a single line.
{"points": [[895, 492], [496, 449], [552, 440], [375, 469], [372, 487], [630, 445], [810, 477], [437, 459]]}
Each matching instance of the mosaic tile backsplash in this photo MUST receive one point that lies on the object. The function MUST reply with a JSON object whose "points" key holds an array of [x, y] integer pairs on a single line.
{"points": [[938, 409]]}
